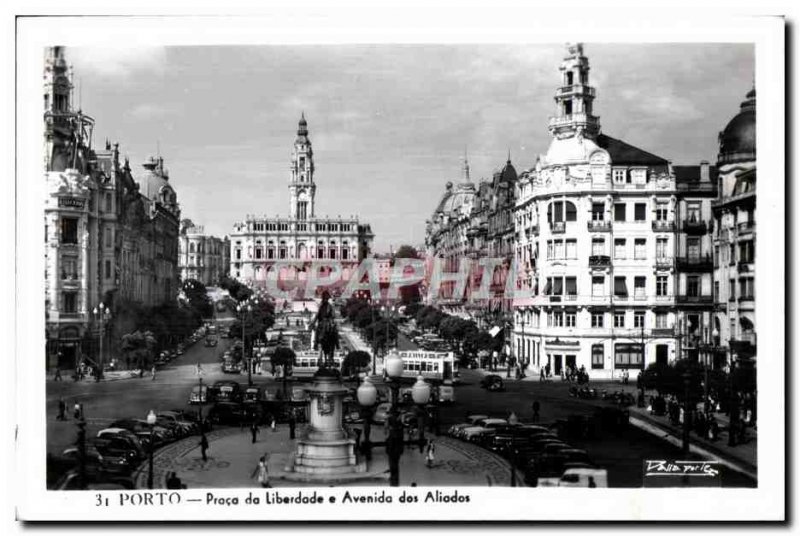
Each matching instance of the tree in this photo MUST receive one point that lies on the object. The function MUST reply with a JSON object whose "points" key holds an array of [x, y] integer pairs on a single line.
{"points": [[138, 347], [284, 358], [406, 252], [354, 361]]}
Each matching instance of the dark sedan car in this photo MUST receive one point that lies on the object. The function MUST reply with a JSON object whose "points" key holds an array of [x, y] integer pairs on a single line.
{"points": [[230, 413], [492, 382]]}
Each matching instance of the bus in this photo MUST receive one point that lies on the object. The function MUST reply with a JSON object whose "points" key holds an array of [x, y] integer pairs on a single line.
{"points": [[307, 363], [437, 366]]}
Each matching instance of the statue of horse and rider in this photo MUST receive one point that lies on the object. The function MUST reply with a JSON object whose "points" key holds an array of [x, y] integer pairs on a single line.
{"points": [[326, 334]]}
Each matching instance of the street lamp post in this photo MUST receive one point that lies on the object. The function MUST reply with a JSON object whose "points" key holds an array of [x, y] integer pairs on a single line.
{"points": [[245, 311], [82, 449], [151, 421], [367, 396], [101, 315]]}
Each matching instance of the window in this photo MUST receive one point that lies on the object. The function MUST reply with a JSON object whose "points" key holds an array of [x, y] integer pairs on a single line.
{"points": [[640, 212], [108, 269], [661, 248], [693, 248], [620, 288], [619, 212], [557, 319], [693, 285], [597, 320], [570, 210], [598, 286], [598, 211], [638, 319], [746, 251], [716, 257], [69, 302], [661, 285], [662, 209], [598, 358], [746, 288], [639, 176], [238, 254], [558, 286], [628, 355], [598, 246], [259, 253], [550, 249], [69, 268], [619, 175], [619, 320], [333, 253], [716, 290], [569, 319], [572, 249], [639, 283], [640, 248], [559, 249], [282, 252], [731, 254], [619, 248], [69, 230], [557, 209], [661, 320], [571, 285], [109, 207], [345, 254], [731, 290], [693, 212]]}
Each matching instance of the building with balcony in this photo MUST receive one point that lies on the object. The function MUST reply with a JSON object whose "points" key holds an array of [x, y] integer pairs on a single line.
{"points": [[107, 240], [603, 292], [264, 247], [734, 238], [202, 257]]}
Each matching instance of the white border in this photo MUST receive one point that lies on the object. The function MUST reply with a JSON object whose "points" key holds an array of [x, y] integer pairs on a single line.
{"points": [[400, 24]]}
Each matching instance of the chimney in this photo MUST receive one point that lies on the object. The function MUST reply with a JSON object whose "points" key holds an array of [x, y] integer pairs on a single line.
{"points": [[705, 175]]}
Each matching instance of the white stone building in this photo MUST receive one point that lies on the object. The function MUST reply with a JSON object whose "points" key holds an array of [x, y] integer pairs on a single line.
{"points": [[202, 257], [258, 243]]}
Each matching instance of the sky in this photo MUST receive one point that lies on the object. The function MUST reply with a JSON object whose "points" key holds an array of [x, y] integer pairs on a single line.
{"points": [[389, 124]]}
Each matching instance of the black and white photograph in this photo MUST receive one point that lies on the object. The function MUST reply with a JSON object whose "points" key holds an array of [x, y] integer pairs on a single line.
{"points": [[284, 276]]}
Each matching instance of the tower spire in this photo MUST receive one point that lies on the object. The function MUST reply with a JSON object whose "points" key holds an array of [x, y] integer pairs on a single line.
{"points": [[466, 165], [574, 98]]}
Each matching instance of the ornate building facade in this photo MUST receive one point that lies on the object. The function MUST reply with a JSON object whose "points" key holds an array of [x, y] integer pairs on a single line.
{"points": [[105, 241], [734, 237], [203, 257], [596, 241], [262, 245]]}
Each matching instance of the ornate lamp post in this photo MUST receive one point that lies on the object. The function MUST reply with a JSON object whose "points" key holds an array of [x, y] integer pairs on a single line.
{"points": [[421, 394], [367, 395], [244, 311], [101, 315], [394, 441], [151, 421]]}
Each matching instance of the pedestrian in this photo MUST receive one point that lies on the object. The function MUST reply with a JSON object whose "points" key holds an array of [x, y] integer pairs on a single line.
{"points": [[541, 374], [356, 431], [173, 482], [430, 454], [547, 370], [204, 447], [254, 431], [261, 472], [153, 372], [535, 408], [62, 409], [77, 410], [273, 424], [592, 483], [57, 377]]}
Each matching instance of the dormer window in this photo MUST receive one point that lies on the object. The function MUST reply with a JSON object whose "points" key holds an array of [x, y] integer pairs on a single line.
{"points": [[569, 78]]}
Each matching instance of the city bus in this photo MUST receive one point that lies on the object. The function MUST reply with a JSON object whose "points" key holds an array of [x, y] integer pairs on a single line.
{"points": [[437, 366]]}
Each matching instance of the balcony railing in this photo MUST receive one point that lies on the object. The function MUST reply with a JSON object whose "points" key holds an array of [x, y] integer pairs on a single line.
{"points": [[599, 226], [599, 261], [695, 264], [699, 299], [566, 120], [575, 89], [558, 227], [662, 226], [694, 227], [748, 297], [744, 266], [663, 263], [662, 332], [746, 226]]}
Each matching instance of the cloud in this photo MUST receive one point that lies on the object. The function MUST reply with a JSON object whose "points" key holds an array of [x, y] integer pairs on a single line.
{"points": [[117, 62]]}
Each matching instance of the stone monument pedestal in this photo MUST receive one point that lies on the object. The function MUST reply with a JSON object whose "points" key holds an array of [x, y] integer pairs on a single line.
{"points": [[325, 451]]}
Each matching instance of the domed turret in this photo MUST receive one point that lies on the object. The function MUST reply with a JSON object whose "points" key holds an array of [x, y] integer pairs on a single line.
{"points": [[737, 142]]}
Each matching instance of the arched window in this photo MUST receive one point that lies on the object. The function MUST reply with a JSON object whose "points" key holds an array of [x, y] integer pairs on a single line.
{"points": [[191, 247], [559, 211]]}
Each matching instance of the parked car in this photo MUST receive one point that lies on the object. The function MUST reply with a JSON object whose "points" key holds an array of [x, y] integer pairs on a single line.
{"points": [[252, 395], [98, 463], [492, 423], [186, 427], [382, 413], [472, 419], [227, 413], [201, 394], [447, 393], [229, 366], [72, 478], [227, 391], [143, 430], [211, 341], [492, 382], [115, 447], [132, 439]]}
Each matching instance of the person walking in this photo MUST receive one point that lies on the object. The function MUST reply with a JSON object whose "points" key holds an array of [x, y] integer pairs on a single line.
{"points": [[273, 424], [261, 472], [535, 407], [153, 372], [77, 410], [430, 453], [173, 482], [254, 431], [57, 377], [204, 447], [541, 374], [62, 409]]}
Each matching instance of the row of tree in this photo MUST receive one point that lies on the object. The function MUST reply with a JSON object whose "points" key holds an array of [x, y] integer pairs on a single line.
{"points": [[462, 334]]}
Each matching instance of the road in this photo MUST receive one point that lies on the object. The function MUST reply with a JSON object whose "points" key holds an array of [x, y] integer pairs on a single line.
{"points": [[104, 402]]}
